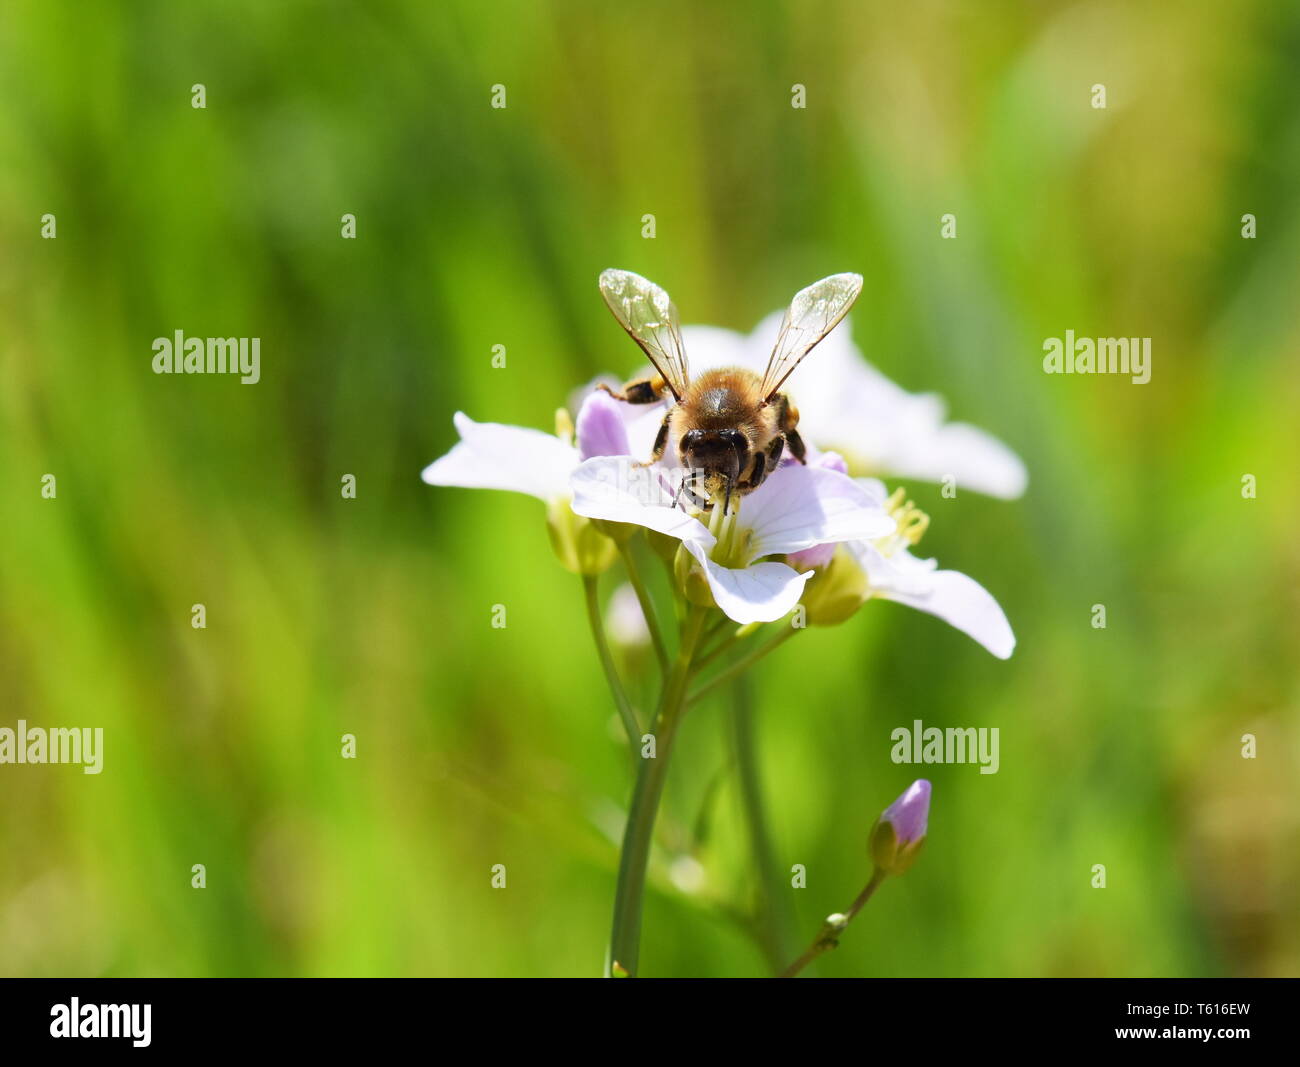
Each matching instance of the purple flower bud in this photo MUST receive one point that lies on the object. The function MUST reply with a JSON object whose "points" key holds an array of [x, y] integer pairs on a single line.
{"points": [[601, 430], [910, 812], [900, 831]]}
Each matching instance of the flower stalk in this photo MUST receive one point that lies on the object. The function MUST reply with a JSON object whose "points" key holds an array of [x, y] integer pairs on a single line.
{"points": [[774, 913], [647, 605], [894, 842], [829, 936], [638, 834], [625, 710], [744, 663]]}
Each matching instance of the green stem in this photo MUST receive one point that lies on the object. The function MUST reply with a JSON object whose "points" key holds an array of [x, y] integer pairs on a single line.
{"points": [[616, 689], [775, 914], [720, 647], [647, 605], [829, 936], [744, 663], [625, 938]]}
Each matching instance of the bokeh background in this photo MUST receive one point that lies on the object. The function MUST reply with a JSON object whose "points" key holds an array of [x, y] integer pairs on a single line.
{"points": [[479, 227]]}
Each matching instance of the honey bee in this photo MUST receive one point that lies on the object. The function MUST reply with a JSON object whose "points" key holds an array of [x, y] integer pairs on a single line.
{"points": [[729, 427]]}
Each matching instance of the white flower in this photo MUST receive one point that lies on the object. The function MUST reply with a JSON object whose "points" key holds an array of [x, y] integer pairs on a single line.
{"points": [[893, 573], [492, 455], [795, 508], [845, 404]]}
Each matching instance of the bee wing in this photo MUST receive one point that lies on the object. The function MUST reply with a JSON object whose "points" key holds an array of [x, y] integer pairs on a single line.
{"points": [[648, 315], [812, 314]]}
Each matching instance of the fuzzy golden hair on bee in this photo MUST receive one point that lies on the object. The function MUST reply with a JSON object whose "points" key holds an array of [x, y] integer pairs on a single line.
{"points": [[730, 427]]}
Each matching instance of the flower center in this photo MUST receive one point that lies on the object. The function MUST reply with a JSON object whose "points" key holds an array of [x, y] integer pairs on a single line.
{"points": [[732, 549]]}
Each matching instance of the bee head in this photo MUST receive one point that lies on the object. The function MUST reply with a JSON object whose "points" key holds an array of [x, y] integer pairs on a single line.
{"points": [[715, 452]]}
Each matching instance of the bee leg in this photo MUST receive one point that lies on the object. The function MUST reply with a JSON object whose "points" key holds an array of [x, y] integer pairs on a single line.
{"points": [[687, 486], [757, 473], [797, 448], [641, 391], [661, 440], [787, 420]]}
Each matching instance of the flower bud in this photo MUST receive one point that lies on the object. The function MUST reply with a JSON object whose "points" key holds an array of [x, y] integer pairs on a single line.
{"points": [[664, 546], [578, 543], [836, 591], [618, 532], [899, 833], [691, 580]]}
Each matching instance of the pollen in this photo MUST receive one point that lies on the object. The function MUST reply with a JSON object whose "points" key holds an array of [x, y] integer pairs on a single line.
{"points": [[912, 521]]}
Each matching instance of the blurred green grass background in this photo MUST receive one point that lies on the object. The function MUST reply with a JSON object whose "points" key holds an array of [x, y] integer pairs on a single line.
{"points": [[478, 227]]}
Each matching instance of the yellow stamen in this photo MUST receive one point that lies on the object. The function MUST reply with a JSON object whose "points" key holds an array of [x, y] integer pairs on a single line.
{"points": [[912, 521], [564, 425]]}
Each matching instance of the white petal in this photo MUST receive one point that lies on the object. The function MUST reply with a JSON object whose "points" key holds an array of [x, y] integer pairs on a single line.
{"points": [[642, 422], [614, 488], [847, 404], [761, 592], [899, 573], [974, 459], [710, 347], [798, 507], [951, 596], [875, 489], [490, 455]]}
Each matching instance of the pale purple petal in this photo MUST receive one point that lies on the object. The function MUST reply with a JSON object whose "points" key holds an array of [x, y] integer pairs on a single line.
{"points": [[819, 555], [600, 428], [811, 558], [830, 461], [799, 507], [910, 813], [641, 422], [614, 488], [490, 455]]}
